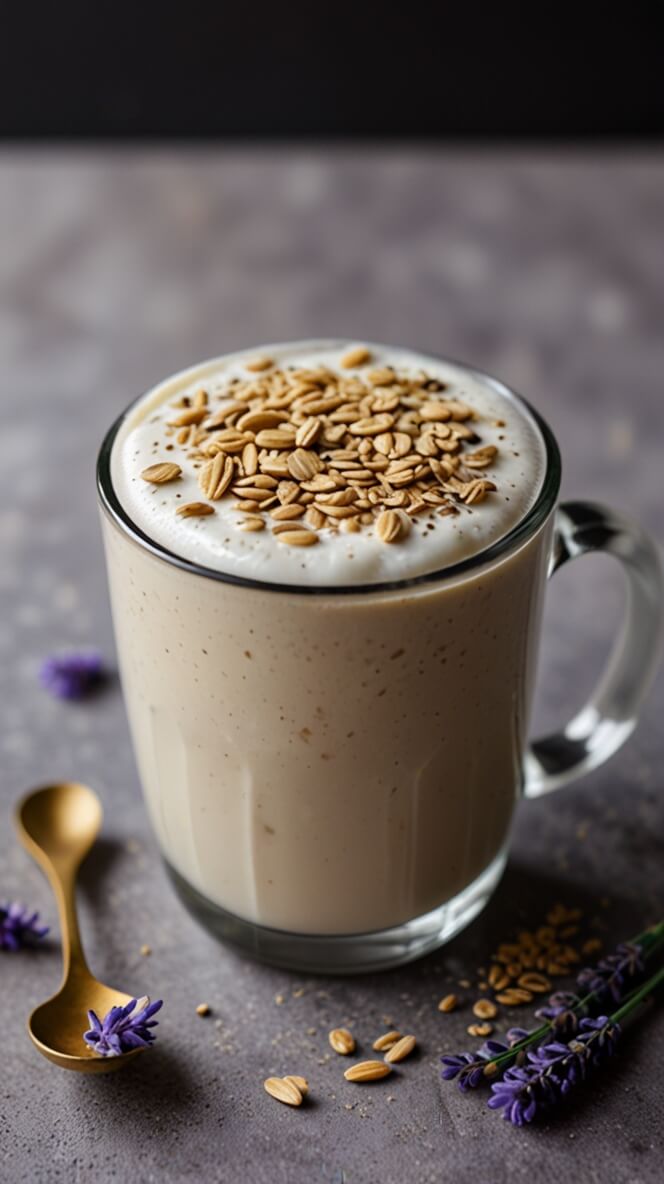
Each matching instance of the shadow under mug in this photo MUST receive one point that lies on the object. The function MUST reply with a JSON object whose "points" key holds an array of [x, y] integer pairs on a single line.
{"points": [[332, 772]]}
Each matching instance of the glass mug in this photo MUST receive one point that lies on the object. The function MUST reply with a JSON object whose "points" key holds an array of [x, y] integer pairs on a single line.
{"points": [[332, 772]]}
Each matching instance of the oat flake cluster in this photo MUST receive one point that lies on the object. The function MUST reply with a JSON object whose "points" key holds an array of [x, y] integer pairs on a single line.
{"points": [[307, 450]]}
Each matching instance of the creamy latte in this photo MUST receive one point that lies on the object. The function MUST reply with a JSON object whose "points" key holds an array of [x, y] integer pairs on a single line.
{"points": [[314, 759]]}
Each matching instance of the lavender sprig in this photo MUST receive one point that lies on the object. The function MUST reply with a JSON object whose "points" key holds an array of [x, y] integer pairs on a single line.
{"points": [[565, 1011], [71, 676], [553, 1069], [469, 1069], [123, 1029], [18, 927], [607, 980]]}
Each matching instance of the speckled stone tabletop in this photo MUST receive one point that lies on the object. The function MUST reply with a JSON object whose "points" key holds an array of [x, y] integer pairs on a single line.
{"points": [[119, 268]]}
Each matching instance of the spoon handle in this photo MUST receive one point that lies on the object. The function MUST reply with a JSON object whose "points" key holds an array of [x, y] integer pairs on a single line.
{"points": [[60, 870], [62, 877]]}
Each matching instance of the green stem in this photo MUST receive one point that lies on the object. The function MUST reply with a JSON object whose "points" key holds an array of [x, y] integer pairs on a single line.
{"points": [[638, 995], [653, 931]]}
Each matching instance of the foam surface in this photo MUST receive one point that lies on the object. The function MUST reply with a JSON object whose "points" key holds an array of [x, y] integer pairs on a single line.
{"points": [[340, 559]]}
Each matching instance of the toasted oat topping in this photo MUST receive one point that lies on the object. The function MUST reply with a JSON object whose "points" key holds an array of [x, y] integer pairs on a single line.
{"points": [[309, 451], [161, 473]]}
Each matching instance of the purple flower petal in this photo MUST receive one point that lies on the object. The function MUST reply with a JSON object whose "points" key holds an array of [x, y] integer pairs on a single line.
{"points": [[18, 927], [131, 1039], [123, 1029], [72, 676], [551, 1071]]}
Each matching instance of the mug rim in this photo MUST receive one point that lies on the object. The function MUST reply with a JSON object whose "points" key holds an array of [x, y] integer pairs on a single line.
{"points": [[524, 529]]}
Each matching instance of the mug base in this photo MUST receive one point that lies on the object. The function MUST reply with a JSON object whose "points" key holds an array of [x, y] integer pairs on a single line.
{"points": [[354, 953]]}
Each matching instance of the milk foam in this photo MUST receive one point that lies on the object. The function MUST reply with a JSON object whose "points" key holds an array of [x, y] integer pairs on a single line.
{"points": [[339, 559]]}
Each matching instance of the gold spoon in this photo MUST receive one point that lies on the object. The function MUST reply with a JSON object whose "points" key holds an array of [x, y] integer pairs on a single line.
{"points": [[58, 826]]}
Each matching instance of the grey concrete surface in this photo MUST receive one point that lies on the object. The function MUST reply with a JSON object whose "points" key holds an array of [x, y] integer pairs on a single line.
{"points": [[116, 269]]}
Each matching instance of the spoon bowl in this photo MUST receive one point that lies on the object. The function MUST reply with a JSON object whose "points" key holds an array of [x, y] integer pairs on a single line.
{"points": [[62, 819], [56, 1028], [58, 825]]}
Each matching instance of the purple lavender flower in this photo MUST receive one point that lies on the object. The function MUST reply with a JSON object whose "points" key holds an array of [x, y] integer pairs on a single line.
{"points": [[123, 1028], [613, 974], [604, 1042], [18, 927], [517, 1095], [469, 1070], [468, 1067], [71, 676], [561, 1013], [515, 1036], [552, 1070]]}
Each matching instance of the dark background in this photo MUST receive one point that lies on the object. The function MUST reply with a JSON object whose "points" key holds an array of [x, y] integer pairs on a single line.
{"points": [[201, 69]]}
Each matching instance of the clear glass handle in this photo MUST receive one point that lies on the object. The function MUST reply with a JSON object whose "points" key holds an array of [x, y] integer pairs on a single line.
{"points": [[609, 716]]}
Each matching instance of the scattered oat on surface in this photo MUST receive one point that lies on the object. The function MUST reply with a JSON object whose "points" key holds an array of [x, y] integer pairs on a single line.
{"points": [[365, 1071], [498, 978], [514, 997], [300, 1083], [479, 1029], [448, 1003], [592, 946], [531, 981], [522, 968], [560, 915], [484, 1009], [342, 1041], [145, 951], [283, 1090], [203, 1009], [387, 1040], [400, 1050], [569, 931]]}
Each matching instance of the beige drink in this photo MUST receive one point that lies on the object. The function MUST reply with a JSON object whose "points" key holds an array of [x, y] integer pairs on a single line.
{"points": [[326, 763], [326, 569]]}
